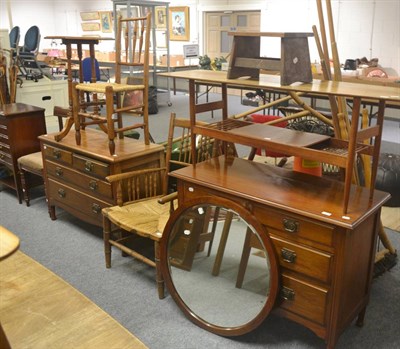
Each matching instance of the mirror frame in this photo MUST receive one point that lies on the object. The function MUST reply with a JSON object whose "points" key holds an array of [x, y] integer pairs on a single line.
{"points": [[247, 216]]}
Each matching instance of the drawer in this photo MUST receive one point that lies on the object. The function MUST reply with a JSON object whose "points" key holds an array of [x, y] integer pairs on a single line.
{"points": [[293, 227], [92, 185], [5, 157], [304, 299], [4, 138], [57, 154], [67, 196], [90, 166], [301, 259], [4, 147]]}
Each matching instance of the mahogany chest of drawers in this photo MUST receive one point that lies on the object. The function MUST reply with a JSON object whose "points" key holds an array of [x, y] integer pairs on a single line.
{"points": [[75, 174], [325, 258], [20, 126]]}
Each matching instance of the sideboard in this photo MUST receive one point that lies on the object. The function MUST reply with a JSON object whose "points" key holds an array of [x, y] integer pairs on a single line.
{"points": [[325, 260], [20, 126], [75, 174]]}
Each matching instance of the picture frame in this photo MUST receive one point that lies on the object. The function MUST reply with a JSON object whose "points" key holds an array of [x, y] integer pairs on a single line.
{"points": [[160, 17], [90, 26], [106, 22], [179, 23], [90, 16]]}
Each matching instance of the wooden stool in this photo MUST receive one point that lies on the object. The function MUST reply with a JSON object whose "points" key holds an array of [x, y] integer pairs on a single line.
{"points": [[32, 163], [294, 64]]}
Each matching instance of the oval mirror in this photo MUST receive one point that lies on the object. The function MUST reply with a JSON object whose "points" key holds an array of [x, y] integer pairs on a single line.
{"points": [[219, 265]]}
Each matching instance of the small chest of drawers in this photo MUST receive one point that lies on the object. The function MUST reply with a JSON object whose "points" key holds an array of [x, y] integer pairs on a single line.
{"points": [[75, 174], [20, 127]]}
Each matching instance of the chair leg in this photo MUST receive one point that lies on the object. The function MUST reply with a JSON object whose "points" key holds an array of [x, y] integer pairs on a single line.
{"points": [[245, 259], [75, 113], [110, 120], [222, 244], [24, 183], [159, 276], [106, 238]]}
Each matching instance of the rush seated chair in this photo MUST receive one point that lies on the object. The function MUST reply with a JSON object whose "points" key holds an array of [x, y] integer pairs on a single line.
{"points": [[145, 200], [132, 59], [31, 173]]}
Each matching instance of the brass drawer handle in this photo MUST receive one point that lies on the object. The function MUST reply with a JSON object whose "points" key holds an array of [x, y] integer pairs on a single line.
{"points": [[61, 193], [288, 255], [287, 293], [59, 172], [2, 156], [93, 185], [57, 154], [290, 225], [96, 208], [88, 166]]}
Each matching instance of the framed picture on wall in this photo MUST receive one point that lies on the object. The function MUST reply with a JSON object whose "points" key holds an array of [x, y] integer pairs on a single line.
{"points": [[161, 17], [106, 22], [90, 26], [89, 16], [179, 26]]}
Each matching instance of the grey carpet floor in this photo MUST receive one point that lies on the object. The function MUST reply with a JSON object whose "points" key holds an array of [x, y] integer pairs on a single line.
{"points": [[127, 291]]}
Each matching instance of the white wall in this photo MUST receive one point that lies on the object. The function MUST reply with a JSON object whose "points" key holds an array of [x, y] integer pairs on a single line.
{"points": [[369, 28]]}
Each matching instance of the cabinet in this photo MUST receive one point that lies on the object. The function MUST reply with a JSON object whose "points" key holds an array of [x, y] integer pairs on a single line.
{"points": [[75, 175], [20, 126], [325, 280], [45, 94]]}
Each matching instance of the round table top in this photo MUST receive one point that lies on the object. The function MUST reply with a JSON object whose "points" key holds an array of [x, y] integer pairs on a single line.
{"points": [[9, 243]]}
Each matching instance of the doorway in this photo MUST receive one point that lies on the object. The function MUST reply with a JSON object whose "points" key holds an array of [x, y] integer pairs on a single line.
{"points": [[217, 42]]}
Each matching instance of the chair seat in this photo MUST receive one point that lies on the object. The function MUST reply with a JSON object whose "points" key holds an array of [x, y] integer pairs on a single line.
{"points": [[146, 218], [33, 161], [101, 87]]}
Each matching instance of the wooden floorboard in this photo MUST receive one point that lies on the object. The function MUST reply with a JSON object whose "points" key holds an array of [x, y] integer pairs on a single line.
{"points": [[40, 310]]}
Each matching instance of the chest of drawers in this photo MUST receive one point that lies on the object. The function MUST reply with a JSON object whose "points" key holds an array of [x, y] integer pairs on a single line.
{"points": [[75, 175], [325, 259], [20, 126]]}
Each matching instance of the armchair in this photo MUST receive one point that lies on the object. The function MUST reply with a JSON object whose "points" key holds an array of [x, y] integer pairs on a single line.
{"points": [[142, 212]]}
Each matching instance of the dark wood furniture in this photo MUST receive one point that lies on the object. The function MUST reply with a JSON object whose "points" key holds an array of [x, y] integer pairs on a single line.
{"points": [[327, 283], [75, 175], [20, 126]]}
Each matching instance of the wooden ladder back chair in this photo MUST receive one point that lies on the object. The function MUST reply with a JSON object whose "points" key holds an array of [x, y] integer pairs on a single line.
{"points": [[130, 97], [142, 208]]}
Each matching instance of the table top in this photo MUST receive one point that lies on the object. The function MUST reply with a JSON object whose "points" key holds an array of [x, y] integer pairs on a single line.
{"points": [[280, 135], [310, 196], [78, 39], [16, 109], [9, 243], [317, 87], [94, 144]]}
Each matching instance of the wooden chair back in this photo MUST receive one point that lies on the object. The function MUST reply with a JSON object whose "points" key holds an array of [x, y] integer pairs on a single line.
{"points": [[178, 148], [132, 48]]}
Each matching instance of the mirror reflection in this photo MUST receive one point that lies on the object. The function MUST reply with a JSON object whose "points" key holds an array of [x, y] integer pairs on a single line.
{"points": [[218, 265]]}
